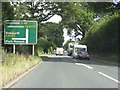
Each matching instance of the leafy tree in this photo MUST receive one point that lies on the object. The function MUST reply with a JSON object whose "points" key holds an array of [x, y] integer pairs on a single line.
{"points": [[66, 44], [44, 44], [7, 11], [52, 32], [76, 17], [7, 14], [104, 7], [40, 11], [20, 10]]}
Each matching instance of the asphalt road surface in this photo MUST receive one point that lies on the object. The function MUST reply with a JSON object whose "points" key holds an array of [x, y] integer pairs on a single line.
{"points": [[66, 72]]}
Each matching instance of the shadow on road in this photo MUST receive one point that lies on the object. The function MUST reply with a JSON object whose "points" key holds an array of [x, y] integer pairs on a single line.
{"points": [[58, 59], [68, 59]]}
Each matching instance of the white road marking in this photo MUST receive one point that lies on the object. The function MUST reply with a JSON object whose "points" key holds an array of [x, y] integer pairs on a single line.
{"points": [[54, 56], [109, 77], [84, 65], [74, 60]]}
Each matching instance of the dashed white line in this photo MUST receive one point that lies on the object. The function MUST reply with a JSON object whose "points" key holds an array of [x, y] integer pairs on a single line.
{"points": [[74, 60], [84, 65], [109, 77], [89, 67]]}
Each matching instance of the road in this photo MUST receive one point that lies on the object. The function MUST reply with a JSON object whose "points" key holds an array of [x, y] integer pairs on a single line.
{"points": [[65, 72]]}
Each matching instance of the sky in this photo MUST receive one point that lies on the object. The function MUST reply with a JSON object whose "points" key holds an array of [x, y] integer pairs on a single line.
{"points": [[57, 19]]}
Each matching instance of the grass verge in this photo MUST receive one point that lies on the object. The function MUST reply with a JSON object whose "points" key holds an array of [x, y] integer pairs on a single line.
{"points": [[14, 65], [42, 55], [105, 57]]}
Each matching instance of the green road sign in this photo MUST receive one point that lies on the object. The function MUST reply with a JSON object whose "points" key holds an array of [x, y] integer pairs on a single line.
{"points": [[20, 32]]}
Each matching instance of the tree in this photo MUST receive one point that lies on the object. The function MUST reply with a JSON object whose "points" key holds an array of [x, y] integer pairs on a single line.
{"points": [[66, 44], [20, 10], [76, 17], [40, 11], [7, 11], [7, 14], [52, 32], [45, 45], [103, 9]]}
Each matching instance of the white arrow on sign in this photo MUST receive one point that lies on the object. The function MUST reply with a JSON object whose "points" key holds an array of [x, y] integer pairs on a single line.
{"points": [[23, 38]]}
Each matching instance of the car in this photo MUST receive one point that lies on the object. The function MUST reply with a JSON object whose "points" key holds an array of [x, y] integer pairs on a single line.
{"points": [[83, 55], [65, 52]]}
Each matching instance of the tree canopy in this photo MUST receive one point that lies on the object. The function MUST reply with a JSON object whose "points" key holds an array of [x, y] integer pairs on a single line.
{"points": [[77, 16]]}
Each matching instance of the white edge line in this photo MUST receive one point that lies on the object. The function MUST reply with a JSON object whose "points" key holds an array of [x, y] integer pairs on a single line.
{"points": [[109, 77]]}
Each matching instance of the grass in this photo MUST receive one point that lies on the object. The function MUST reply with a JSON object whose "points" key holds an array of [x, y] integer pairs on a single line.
{"points": [[41, 55], [105, 57], [14, 65]]}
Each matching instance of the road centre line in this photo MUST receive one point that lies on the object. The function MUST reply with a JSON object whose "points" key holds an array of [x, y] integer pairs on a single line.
{"points": [[109, 77], [84, 65]]}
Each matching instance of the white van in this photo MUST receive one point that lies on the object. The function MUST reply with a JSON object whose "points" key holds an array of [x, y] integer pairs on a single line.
{"points": [[59, 51], [78, 48]]}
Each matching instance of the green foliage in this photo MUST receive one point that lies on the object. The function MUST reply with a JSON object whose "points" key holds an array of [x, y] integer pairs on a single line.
{"points": [[104, 7], [52, 32], [21, 11], [66, 44], [41, 11], [7, 11], [74, 14], [102, 37], [45, 45], [77, 16]]}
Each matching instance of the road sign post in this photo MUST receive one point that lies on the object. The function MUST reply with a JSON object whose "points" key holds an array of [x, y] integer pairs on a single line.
{"points": [[20, 32], [33, 50], [13, 49]]}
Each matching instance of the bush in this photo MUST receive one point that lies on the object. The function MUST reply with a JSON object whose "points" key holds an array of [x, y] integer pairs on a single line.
{"points": [[45, 45], [102, 37]]}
